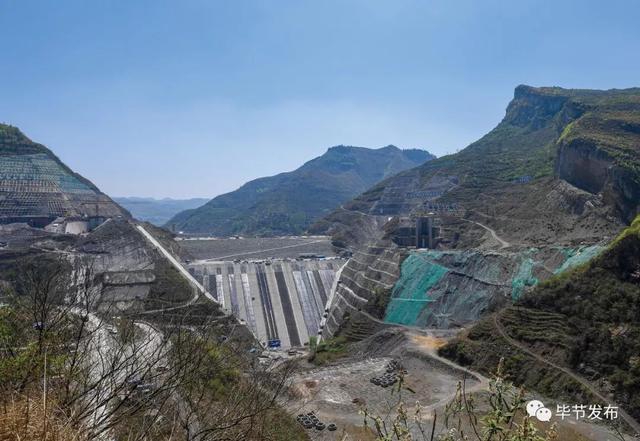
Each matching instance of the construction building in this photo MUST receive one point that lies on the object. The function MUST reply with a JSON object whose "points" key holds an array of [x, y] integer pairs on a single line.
{"points": [[418, 232]]}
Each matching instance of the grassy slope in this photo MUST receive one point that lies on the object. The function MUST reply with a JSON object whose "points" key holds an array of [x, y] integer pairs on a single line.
{"points": [[587, 319], [288, 202]]}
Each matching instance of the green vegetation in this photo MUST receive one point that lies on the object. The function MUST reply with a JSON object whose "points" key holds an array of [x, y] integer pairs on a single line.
{"points": [[381, 299], [328, 350], [586, 319], [591, 139], [289, 202], [71, 373], [170, 287], [482, 347], [525, 142], [14, 142]]}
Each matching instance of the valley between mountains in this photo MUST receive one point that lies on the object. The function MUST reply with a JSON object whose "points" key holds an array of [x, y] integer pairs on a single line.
{"points": [[290, 308]]}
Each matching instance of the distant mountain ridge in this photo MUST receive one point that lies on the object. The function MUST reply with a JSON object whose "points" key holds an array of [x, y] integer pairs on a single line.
{"points": [[37, 187], [157, 211], [556, 179], [289, 202], [552, 151]]}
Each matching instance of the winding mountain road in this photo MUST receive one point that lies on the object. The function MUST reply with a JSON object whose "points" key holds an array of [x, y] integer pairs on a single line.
{"points": [[503, 333]]}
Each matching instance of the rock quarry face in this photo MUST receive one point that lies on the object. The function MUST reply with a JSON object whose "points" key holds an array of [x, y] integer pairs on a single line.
{"points": [[557, 177], [37, 188], [586, 166]]}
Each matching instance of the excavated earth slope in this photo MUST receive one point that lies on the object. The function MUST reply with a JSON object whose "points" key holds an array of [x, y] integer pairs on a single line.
{"points": [[36, 185], [586, 320], [560, 174]]}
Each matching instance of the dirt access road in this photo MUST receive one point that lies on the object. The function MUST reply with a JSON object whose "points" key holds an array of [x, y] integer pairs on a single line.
{"points": [[503, 243], [503, 333]]}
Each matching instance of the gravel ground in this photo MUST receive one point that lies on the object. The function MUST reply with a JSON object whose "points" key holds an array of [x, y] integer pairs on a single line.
{"points": [[337, 393]]}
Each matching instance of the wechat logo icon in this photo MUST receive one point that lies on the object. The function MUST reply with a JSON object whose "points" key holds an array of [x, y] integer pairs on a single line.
{"points": [[536, 409]]}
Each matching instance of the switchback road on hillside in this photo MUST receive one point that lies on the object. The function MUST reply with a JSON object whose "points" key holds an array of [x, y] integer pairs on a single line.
{"points": [[482, 382], [503, 333]]}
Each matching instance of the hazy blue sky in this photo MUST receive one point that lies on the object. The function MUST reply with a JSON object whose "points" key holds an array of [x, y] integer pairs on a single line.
{"points": [[193, 98]]}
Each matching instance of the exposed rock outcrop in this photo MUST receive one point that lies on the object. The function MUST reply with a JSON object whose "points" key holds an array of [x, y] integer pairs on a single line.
{"points": [[561, 170], [585, 165]]}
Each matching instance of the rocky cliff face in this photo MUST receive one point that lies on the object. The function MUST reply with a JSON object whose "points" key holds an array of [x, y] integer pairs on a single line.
{"points": [[584, 165], [533, 107], [600, 153], [560, 170]]}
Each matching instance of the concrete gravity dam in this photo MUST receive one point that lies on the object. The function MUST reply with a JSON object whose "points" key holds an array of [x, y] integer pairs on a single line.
{"points": [[279, 300]]}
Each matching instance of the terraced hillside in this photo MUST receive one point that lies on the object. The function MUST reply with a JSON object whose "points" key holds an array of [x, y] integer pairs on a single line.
{"points": [[36, 187], [363, 291], [288, 203], [586, 321], [559, 172]]}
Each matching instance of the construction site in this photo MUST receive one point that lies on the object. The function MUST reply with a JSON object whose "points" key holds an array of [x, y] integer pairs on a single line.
{"points": [[38, 190], [281, 301]]}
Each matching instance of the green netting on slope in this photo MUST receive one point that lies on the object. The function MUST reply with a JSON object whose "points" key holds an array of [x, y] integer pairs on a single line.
{"points": [[575, 257], [420, 273], [523, 277], [411, 292], [42, 171]]}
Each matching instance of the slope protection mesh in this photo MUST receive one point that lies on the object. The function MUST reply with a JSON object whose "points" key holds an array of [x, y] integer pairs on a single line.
{"points": [[410, 294], [436, 285], [38, 173], [37, 186]]}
